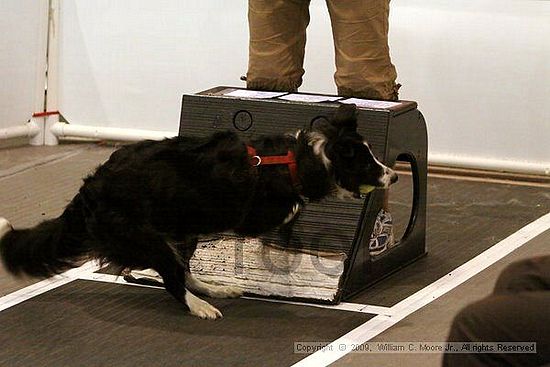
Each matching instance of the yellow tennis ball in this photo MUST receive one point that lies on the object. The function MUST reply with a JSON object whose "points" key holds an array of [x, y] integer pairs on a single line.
{"points": [[365, 189]]}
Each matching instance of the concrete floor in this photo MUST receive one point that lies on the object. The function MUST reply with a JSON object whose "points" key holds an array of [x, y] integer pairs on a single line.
{"points": [[35, 185]]}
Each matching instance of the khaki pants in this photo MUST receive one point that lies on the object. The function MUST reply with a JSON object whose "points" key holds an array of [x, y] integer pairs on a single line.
{"points": [[360, 33]]}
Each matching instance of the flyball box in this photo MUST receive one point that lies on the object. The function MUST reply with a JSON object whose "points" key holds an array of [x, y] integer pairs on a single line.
{"points": [[326, 259]]}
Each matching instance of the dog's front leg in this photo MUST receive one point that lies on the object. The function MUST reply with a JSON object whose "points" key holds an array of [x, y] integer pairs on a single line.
{"points": [[201, 308], [174, 283]]}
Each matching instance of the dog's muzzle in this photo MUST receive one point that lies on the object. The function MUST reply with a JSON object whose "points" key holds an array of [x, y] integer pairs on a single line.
{"points": [[388, 178]]}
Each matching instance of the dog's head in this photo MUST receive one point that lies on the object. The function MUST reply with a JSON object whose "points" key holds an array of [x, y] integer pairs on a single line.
{"points": [[347, 155]]}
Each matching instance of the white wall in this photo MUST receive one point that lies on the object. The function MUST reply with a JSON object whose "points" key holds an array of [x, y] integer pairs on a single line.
{"points": [[23, 36], [478, 69], [126, 63]]}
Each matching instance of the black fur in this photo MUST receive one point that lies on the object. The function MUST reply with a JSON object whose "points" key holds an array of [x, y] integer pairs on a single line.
{"points": [[150, 195]]}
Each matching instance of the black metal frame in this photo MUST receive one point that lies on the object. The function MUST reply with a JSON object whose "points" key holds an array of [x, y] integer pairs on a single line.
{"points": [[396, 134]]}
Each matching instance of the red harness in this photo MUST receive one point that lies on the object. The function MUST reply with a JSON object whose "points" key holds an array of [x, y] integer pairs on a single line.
{"points": [[289, 159]]}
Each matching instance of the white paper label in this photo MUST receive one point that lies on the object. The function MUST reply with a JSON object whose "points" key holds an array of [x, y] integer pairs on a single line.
{"points": [[369, 103], [247, 93], [309, 98]]}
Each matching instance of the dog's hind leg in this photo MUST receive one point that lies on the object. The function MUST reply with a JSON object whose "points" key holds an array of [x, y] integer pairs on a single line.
{"points": [[212, 290]]}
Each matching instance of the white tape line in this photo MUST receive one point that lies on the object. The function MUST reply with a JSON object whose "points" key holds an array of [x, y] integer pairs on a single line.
{"points": [[52, 159], [116, 279], [45, 285], [380, 323], [377, 310], [344, 306]]}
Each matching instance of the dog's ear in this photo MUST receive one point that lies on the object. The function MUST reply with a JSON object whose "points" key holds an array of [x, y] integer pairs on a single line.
{"points": [[324, 126], [345, 117]]}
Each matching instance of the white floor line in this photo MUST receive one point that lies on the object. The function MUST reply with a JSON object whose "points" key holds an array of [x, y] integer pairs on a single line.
{"points": [[45, 285], [378, 310], [380, 323], [343, 306], [51, 159], [109, 278]]}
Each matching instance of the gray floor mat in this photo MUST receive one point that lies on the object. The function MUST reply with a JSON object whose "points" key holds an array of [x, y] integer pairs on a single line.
{"points": [[86, 323]]}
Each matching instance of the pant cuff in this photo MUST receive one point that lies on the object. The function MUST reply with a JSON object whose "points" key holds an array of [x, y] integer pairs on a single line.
{"points": [[389, 93], [276, 85]]}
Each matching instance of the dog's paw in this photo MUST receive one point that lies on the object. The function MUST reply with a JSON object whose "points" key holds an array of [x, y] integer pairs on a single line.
{"points": [[205, 310], [200, 308]]}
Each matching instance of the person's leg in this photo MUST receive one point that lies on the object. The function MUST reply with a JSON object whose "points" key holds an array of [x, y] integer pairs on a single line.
{"points": [[519, 317], [516, 311], [277, 44], [363, 64], [526, 275]]}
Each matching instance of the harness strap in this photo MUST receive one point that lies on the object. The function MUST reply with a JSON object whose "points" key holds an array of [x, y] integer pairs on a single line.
{"points": [[289, 159]]}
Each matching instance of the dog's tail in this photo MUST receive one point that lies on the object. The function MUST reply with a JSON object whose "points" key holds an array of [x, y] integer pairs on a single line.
{"points": [[50, 248]]}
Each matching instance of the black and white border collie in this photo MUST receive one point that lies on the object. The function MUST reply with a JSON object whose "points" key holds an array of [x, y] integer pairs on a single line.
{"points": [[146, 206]]}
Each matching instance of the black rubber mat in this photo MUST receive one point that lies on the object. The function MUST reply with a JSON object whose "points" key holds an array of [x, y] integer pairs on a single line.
{"points": [[87, 323], [464, 219]]}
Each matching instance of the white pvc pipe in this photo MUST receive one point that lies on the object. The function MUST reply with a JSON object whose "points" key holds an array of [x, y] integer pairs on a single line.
{"points": [[40, 78], [536, 168], [52, 98], [28, 130], [61, 130], [107, 133], [49, 137]]}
